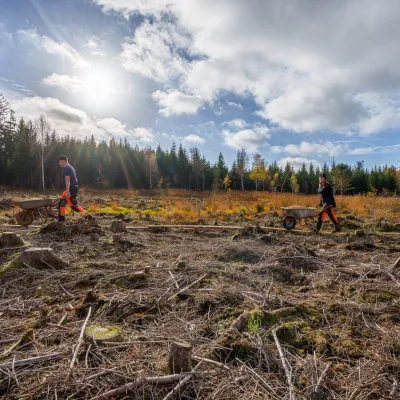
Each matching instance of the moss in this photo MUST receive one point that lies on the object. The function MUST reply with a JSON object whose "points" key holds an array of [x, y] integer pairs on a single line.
{"points": [[231, 344], [288, 333], [319, 341], [348, 347], [284, 314], [41, 294], [102, 333], [372, 296]]}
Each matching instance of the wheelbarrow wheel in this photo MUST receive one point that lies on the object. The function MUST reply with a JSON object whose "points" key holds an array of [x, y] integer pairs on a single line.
{"points": [[24, 218], [289, 222]]}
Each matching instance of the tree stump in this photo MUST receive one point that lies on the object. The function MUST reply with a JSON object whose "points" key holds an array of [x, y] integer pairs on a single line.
{"points": [[10, 239], [118, 226], [117, 238], [107, 333], [42, 258], [179, 357]]}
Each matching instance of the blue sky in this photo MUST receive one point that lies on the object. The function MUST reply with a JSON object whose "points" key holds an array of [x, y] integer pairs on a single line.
{"points": [[295, 80]]}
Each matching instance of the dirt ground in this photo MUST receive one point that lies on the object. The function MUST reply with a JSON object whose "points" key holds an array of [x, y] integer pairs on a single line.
{"points": [[272, 316]]}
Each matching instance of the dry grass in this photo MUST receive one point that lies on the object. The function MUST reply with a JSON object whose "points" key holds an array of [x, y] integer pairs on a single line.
{"points": [[184, 205]]}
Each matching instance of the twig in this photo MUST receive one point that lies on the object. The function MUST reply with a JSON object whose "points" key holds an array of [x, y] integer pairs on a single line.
{"points": [[396, 264], [181, 383], [207, 360], [13, 248], [285, 366], [105, 372], [65, 291], [33, 360], [321, 377], [80, 341], [187, 287], [87, 356], [154, 380], [62, 319], [174, 280]]}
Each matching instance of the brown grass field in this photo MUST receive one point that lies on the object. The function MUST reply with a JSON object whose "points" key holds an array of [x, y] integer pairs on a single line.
{"points": [[276, 315]]}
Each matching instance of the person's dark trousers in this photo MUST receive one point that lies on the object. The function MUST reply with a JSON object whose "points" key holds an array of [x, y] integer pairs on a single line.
{"points": [[71, 201]]}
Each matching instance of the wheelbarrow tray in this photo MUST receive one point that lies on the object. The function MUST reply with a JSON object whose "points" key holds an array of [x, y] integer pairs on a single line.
{"points": [[299, 212], [32, 204]]}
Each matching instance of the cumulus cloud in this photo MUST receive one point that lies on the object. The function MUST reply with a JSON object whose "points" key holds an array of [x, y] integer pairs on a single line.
{"points": [[251, 139], [301, 76], [71, 121], [61, 49], [297, 162], [176, 103], [236, 123], [308, 149], [68, 83], [194, 139], [154, 51], [375, 149]]}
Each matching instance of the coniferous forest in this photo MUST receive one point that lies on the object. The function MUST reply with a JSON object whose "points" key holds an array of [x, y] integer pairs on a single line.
{"points": [[28, 150]]}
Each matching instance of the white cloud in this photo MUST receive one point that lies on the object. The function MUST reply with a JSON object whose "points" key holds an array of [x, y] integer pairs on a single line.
{"points": [[234, 105], [308, 149], [154, 51], [194, 139], [93, 42], [176, 103], [250, 139], [301, 75], [236, 124], [297, 162], [374, 149], [68, 83], [62, 49], [71, 121]]}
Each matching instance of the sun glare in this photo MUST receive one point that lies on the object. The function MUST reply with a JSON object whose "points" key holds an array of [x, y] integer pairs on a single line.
{"points": [[98, 87]]}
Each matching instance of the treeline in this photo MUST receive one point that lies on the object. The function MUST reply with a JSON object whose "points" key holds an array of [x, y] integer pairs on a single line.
{"points": [[28, 150]]}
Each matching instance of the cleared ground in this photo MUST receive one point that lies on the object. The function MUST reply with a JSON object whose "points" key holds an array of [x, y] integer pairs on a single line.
{"points": [[332, 303]]}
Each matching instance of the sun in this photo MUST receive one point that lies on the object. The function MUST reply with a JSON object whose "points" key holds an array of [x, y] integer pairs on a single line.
{"points": [[98, 87]]}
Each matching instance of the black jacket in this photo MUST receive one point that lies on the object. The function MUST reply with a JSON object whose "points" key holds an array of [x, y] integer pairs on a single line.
{"points": [[326, 194]]}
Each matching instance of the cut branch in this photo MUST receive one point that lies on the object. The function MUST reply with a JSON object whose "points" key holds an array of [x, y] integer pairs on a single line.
{"points": [[188, 287]]}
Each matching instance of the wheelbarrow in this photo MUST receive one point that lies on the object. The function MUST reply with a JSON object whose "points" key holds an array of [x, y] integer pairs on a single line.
{"points": [[42, 208], [304, 215]]}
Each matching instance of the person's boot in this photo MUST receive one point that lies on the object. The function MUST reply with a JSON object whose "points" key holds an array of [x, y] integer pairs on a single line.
{"points": [[318, 227], [61, 218], [338, 228]]}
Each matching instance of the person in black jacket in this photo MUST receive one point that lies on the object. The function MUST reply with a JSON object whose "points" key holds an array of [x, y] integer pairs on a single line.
{"points": [[328, 203]]}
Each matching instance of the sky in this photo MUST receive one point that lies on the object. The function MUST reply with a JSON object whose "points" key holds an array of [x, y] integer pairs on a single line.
{"points": [[296, 80]]}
